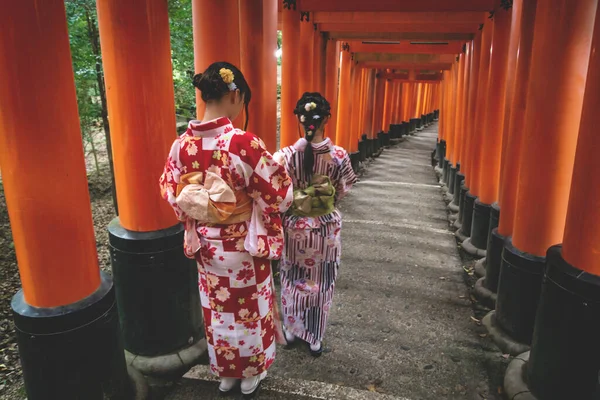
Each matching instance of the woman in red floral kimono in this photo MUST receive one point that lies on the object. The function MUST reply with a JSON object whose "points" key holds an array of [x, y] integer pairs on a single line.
{"points": [[229, 192], [321, 174]]}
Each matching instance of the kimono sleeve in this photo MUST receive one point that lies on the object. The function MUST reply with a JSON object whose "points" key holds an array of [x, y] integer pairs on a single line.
{"points": [[270, 187], [170, 178], [347, 177]]}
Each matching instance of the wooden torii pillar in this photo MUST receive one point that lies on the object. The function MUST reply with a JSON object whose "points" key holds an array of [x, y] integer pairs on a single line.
{"points": [[521, 41], [486, 210], [65, 315], [290, 69], [476, 137], [564, 353], [146, 240], [552, 120]]}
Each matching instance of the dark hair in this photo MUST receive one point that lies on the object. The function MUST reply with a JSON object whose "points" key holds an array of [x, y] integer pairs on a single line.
{"points": [[312, 121], [212, 87]]}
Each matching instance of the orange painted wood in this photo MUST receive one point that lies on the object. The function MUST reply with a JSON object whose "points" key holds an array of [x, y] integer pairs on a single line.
{"points": [[462, 154], [210, 45], [400, 17], [405, 65], [142, 124], [400, 36], [344, 124], [581, 244], [369, 103], [481, 107], [459, 137], [379, 106], [451, 128], [467, 168], [397, 5], [258, 43], [514, 129], [331, 85], [387, 105], [355, 111], [406, 27], [306, 51], [290, 69], [405, 103], [319, 61], [406, 47], [489, 179], [41, 156], [561, 50]]}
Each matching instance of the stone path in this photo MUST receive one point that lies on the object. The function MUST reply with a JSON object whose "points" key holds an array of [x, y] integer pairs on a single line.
{"points": [[401, 326]]}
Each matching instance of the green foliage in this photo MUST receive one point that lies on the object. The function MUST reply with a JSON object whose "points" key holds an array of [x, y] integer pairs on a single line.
{"points": [[81, 18], [279, 41], [182, 50]]}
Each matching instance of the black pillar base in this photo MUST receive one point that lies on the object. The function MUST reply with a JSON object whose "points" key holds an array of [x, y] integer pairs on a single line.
{"points": [[467, 217], [370, 148], [362, 148], [438, 152], [477, 243], [158, 298], [494, 260], [74, 351], [461, 205], [458, 181], [451, 179], [446, 171], [386, 139], [405, 128], [355, 161], [519, 289], [565, 352]]}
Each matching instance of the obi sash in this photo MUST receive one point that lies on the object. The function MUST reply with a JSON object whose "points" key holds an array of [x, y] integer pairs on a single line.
{"points": [[316, 200], [209, 201]]}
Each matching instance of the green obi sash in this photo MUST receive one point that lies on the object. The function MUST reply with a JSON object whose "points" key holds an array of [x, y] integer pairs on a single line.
{"points": [[316, 200]]}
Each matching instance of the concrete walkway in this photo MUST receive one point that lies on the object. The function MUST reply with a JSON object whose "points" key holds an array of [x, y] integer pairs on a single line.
{"points": [[401, 327]]}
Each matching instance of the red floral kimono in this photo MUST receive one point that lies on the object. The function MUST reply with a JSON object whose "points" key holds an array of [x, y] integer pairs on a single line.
{"points": [[236, 287]]}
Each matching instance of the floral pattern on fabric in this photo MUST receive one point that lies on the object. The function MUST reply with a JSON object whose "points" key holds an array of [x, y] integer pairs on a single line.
{"points": [[236, 288], [312, 252]]}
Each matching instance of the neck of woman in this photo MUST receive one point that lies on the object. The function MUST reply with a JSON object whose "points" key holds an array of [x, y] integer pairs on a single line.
{"points": [[212, 112]]}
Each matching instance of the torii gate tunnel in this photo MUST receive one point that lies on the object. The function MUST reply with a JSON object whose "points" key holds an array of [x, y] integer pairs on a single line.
{"points": [[515, 86]]}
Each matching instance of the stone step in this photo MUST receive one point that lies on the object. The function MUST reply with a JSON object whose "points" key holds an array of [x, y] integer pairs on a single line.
{"points": [[199, 383]]}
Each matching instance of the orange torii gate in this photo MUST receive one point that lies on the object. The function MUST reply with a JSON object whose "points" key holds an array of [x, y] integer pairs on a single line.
{"points": [[388, 67]]}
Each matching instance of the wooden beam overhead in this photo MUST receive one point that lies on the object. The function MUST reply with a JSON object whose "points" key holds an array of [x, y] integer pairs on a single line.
{"points": [[407, 58], [399, 17], [404, 77], [397, 5], [399, 28], [405, 65], [357, 35], [406, 47]]}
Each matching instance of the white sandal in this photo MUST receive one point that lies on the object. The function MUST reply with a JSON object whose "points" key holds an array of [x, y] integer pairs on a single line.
{"points": [[249, 385], [227, 384]]}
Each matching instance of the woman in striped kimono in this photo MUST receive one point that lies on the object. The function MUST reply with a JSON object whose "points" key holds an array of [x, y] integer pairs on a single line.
{"points": [[322, 174]]}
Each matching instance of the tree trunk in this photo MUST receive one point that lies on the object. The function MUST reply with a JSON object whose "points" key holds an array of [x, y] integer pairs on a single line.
{"points": [[95, 42]]}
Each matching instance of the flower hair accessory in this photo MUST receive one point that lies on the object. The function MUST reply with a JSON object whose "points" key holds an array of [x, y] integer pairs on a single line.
{"points": [[310, 106], [227, 76]]}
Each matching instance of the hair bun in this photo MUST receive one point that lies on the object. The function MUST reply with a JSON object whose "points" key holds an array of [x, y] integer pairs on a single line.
{"points": [[197, 80]]}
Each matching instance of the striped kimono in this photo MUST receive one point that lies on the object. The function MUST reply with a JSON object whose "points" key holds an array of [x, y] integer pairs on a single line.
{"points": [[312, 251], [236, 288]]}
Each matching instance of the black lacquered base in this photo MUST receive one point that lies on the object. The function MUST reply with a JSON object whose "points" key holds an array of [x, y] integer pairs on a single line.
{"points": [[355, 161], [157, 290], [460, 177], [467, 217], [446, 171], [565, 352], [481, 224], [74, 351], [493, 260], [519, 289], [451, 179], [461, 206], [362, 149]]}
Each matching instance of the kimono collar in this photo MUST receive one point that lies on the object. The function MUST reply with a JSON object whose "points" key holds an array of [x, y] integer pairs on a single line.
{"points": [[323, 146], [210, 128]]}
